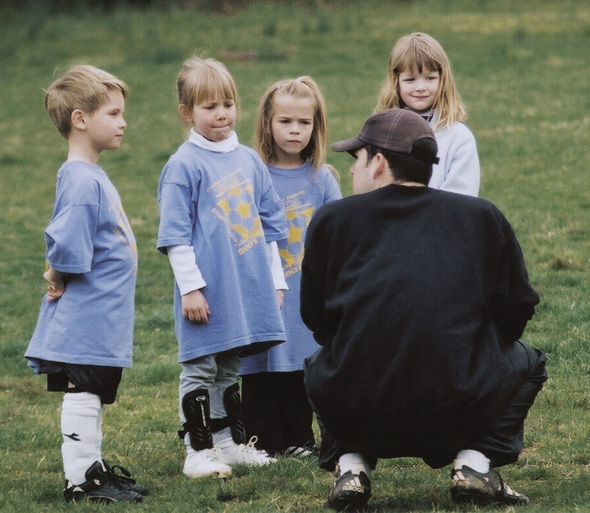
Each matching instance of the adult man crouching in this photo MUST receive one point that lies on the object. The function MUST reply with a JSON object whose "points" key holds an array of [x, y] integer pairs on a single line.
{"points": [[418, 298]]}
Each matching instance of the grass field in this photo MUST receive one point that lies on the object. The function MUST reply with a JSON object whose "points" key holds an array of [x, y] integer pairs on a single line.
{"points": [[522, 69]]}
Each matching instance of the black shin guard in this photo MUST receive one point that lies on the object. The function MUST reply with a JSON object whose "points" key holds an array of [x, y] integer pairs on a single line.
{"points": [[233, 407], [233, 420], [196, 408]]}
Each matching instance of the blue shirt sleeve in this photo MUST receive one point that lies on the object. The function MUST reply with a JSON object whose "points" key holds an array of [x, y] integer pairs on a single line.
{"points": [[177, 207], [70, 235], [271, 210]]}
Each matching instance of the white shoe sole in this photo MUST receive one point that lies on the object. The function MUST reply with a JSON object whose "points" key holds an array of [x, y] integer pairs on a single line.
{"points": [[217, 474]]}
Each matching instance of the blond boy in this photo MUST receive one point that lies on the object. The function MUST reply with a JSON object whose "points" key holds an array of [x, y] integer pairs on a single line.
{"points": [[84, 333]]}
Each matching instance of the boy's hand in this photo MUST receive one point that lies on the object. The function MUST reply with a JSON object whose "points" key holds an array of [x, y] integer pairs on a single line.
{"points": [[195, 308], [57, 285]]}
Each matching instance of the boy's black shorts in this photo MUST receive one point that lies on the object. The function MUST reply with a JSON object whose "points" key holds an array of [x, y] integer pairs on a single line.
{"points": [[96, 379]]}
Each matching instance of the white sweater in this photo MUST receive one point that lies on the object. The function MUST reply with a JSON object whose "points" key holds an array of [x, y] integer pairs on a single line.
{"points": [[458, 169]]}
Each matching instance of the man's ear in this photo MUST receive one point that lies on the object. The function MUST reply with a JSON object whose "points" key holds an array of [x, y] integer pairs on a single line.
{"points": [[379, 168], [78, 120]]}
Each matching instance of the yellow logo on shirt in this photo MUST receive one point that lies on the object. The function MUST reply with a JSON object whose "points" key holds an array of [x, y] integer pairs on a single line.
{"points": [[236, 207], [298, 217]]}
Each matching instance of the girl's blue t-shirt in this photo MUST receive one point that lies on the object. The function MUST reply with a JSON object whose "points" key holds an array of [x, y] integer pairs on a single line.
{"points": [[225, 207], [302, 191], [90, 239]]}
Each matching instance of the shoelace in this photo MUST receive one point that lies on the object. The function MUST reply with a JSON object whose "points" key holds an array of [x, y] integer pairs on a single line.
{"points": [[124, 475], [209, 454], [251, 446]]}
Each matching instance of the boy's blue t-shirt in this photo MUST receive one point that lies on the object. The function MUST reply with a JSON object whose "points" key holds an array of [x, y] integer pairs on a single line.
{"points": [[89, 238], [225, 207], [302, 192]]}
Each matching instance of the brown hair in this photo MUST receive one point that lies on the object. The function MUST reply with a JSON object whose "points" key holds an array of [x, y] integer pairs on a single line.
{"points": [[82, 87], [302, 87]]}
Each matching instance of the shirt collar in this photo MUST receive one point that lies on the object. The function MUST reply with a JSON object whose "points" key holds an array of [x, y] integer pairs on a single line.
{"points": [[225, 146]]}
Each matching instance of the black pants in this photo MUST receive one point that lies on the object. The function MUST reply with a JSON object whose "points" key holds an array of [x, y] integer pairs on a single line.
{"points": [[276, 409], [502, 443]]}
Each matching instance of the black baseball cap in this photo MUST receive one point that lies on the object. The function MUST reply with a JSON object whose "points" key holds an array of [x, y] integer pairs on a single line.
{"points": [[394, 130]]}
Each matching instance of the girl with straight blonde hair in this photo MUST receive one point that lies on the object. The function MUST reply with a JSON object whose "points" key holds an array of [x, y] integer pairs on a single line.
{"points": [[220, 220], [419, 78]]}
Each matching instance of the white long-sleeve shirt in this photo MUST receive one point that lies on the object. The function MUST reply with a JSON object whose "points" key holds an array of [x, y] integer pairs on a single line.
{"points": [[188, 275]]}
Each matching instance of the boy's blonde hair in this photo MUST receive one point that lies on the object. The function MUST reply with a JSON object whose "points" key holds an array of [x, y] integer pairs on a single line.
{"points": [[425, 52], [202, 80], [302, 87], [82, 87]]}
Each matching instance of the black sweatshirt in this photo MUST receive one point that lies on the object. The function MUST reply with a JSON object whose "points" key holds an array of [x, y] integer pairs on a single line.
{"points": [[417, 296]]}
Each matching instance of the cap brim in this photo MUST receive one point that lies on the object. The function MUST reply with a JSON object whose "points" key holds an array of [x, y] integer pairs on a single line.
{"points": [[348, 145]]}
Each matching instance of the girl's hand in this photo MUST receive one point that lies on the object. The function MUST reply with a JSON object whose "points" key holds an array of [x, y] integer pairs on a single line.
{"points": [[57, 285], [195, 308], [281, 297]]}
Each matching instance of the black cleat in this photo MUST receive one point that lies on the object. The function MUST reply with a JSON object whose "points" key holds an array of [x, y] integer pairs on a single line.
{"points": [[303, 451], [122, 475], [350, 492], [99, 487], [470, 486]]}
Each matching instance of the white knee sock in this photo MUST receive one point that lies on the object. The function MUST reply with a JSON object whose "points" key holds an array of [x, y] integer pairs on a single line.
{"points": [[355, 462], [222, 439], [474, 459], [81, 427]]}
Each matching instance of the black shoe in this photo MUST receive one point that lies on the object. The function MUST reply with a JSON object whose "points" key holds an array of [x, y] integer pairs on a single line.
{"points": [[350, 492], [99, 487], [470, 486], [304, 451], [125, 479]]}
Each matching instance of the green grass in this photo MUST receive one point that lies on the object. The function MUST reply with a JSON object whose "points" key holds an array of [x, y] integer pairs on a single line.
{"points": [[522, 69]]}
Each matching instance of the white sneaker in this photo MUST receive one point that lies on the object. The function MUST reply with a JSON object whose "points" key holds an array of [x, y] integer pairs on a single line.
{"points": [[234, 454], [204, 463]]}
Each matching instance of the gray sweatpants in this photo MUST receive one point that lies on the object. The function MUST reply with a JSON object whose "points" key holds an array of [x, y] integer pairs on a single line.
{"points": [[215, 373]]}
